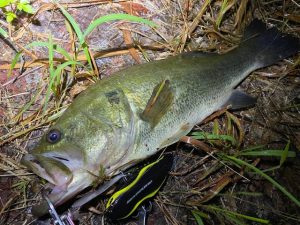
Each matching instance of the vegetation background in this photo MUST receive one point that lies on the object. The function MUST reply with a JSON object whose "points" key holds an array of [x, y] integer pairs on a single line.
{"points": [[237, 168]]}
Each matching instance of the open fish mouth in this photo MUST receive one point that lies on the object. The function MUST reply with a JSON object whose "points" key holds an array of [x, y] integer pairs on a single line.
{"points": [[50, 169], [81, 180], [64, 182]]}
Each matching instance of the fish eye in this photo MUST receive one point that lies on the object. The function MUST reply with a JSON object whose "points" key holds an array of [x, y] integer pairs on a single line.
{"points": [[53, 136]]}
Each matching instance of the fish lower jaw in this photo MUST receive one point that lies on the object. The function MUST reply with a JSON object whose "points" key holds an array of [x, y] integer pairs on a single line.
{"points": [[52, 188], [59, 195], [60, 184]]}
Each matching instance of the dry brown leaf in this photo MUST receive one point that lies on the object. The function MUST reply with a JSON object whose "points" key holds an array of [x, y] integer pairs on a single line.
{"points": [[128, 41], [134, 8]]}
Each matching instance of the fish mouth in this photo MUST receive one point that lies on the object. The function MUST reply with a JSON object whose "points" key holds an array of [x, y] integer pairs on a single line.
{"points": [[51, 169], [64, 181], [57, 197]]}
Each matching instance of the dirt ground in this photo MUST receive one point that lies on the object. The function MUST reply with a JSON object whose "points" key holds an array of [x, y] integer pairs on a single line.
{"points": [[201, 180]]}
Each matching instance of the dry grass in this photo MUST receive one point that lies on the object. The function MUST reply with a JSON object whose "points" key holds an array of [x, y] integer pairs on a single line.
{"points": [[183, 25]]}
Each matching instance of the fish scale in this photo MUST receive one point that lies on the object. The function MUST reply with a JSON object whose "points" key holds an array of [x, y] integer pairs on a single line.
{"points": [[189, 109]]}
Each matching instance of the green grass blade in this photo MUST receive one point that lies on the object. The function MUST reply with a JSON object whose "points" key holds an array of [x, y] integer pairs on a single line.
{"points": [[51, 56], [3, 32], [87, 55], [243, 193], [285, 153], [255, 219], [221, 13], [252, 148], [108, 18], [63, 52], [198, 216], [57, 114], [53, 77], [56, 48], [216, 127], [59, 69], [208, 136], [28, 104], [14, 62], [235, 220], [65, 64], [117, 16], [270, 153], [78, 33], [73, 23], [271, 169], [258, 171]]}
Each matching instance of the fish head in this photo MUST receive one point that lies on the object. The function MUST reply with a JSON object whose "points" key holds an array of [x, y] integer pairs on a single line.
{"points": [[50, 159], [66, 157], [75, 153], [86, 144]]}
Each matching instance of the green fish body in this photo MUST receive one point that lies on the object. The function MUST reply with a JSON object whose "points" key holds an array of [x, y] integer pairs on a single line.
{"points": [[137, 111]]}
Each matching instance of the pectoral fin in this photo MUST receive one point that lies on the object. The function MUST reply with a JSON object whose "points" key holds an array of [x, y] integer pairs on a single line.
{"points": [[159, 103], [240, 100]]}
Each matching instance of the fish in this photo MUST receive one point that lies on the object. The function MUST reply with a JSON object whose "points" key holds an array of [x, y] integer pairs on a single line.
{"points": [[131, 115]]}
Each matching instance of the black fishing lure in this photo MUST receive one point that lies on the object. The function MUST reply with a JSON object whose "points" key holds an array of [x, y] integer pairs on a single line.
{"points": [[147, 183]]}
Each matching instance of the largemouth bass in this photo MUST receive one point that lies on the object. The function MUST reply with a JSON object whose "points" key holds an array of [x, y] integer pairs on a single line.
{"points": [[134, 113]]}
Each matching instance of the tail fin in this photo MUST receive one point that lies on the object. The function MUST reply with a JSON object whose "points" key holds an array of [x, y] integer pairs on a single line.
{"points": [[268, 46]]}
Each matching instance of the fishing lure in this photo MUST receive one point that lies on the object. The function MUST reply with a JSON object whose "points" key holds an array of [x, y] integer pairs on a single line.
{"points": [[147, 183]]}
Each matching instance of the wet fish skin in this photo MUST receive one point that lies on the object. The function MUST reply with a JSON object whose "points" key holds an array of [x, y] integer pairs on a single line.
{"points": [[107, 128]]}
